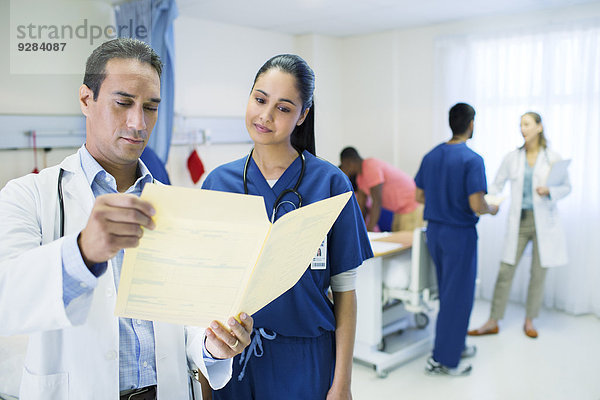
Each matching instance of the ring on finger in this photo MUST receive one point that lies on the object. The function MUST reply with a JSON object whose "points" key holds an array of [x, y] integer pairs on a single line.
{"points": [[235, 345]]}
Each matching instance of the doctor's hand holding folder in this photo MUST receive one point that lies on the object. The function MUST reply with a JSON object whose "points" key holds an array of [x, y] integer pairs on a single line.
{"points": [[215, 254]]}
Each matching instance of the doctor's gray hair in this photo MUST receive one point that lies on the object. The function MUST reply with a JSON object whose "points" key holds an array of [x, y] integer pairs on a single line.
{"points": [[538, 120], [303, 136], [124, 48]]}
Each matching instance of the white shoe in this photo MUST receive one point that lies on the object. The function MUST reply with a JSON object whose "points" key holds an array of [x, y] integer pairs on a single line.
{"points": [[435, 368], [469, 351]]}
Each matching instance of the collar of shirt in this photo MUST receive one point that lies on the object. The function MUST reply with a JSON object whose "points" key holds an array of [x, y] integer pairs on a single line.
{"points": [[102, 182]]}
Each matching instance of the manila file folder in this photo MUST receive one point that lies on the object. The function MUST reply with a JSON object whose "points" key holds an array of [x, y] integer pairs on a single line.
{"points": [[214, 254]]}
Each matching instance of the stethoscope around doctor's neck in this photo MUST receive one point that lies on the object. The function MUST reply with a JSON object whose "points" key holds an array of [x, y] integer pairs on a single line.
{"points": [[278, 201], [61, 202]]}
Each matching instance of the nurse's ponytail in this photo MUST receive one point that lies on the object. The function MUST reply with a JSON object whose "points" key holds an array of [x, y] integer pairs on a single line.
{"points": [[303, 136]]}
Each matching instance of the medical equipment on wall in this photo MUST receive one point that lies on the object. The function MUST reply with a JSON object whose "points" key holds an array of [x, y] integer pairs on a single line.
{"points": [[35, 165], [278, 201]]}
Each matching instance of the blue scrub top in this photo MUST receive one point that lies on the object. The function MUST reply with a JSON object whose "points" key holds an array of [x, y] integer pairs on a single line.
{"points": [[449, 174], [304, 310], [155, 166]]}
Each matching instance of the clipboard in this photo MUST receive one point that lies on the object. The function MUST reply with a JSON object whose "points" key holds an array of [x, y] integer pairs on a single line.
{"points": [[558, 173]]}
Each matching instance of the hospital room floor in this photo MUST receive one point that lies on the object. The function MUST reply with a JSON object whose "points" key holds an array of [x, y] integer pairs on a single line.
{"points": [[562, 363]]}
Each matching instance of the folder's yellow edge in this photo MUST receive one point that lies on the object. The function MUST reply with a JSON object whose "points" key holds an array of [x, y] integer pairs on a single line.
{"points": [[238, 303], [127, 273], [124, 283]]}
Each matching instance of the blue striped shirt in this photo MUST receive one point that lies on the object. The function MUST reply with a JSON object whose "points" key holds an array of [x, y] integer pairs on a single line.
{"points": [[137, 366]]}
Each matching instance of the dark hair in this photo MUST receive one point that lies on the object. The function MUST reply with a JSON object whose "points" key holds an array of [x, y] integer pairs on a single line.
{"points": [[95, 67], [460, 116], [538, 120], [349, 153], [303, 136]]}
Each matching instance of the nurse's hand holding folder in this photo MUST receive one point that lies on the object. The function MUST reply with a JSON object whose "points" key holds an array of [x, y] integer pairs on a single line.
{"points": [[228, 342]]}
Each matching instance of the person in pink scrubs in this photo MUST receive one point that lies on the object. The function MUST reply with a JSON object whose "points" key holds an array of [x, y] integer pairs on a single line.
{"points": [[391, 191]]}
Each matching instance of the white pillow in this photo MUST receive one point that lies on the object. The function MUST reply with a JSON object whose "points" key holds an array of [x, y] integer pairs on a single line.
{"points": [[396, 273]]}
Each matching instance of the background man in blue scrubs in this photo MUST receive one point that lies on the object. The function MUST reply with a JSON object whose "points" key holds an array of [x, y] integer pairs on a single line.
{"points": [[451, 183]]}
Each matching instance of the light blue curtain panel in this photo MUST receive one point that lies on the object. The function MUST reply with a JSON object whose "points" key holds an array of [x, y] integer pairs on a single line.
{"points": [[152, 22]]}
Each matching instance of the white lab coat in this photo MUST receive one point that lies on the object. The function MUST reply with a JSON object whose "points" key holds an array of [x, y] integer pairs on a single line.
{"points": [[73, 353], [550, 235]]}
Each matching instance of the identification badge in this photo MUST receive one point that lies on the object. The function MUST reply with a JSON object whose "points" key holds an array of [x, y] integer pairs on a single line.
{"points": [[320, 260]]}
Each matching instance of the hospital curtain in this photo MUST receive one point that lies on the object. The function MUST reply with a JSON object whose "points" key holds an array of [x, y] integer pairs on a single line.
{"points": [[556, 72], [156, 17]]}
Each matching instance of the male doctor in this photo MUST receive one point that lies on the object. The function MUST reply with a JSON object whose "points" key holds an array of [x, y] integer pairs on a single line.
{"points": [[61, 289]]}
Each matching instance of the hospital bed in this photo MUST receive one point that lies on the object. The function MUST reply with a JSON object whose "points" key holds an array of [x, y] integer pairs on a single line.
{"points": [[396, 293]]}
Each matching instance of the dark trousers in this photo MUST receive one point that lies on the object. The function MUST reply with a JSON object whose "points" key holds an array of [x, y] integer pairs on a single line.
{"points": [[454, 252]]}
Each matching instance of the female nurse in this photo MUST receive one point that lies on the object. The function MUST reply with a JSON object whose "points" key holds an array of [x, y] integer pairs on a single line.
{"points": [[302, 344], [533, 217]]}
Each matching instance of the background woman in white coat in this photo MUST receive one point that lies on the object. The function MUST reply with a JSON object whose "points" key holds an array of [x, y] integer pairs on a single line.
{"points": [[533, 216]]}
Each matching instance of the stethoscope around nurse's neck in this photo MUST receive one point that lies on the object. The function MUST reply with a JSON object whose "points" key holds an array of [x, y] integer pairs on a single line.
{"points": [[278, 201]]}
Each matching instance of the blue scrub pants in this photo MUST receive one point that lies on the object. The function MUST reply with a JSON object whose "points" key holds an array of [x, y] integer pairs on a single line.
{"points": [[291, 368], [454, 252]]}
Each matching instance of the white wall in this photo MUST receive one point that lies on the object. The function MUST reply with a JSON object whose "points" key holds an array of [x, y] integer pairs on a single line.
{"points": [[46, 93], [214, 70], [49, 94], [215, 67], [368, 97], [324, 55]]}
